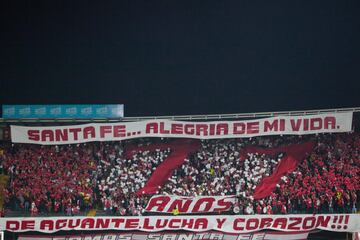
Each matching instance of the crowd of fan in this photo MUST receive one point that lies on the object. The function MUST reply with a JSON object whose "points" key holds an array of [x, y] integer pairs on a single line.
{"points": [[118, 179], [49, 179], [328, 180], [216, 170], [69, 179]]}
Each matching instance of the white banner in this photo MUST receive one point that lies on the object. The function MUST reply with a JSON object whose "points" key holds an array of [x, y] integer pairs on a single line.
{"points": [[210, 235], [281, 125], [180, 205], [223, 223]]}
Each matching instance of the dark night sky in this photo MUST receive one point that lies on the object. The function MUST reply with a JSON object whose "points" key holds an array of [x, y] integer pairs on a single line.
{"points": [[182, 57]]}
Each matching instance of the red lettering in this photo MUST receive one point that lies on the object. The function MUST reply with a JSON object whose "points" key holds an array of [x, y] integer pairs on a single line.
{"points": [[119, 131], [330, 122], [212, 129], [271, 126], [208, 202], [104, 129], [75, 132], [323, 221], [117, 222], [306, 124], [181, 204], [282, 124], [61, 135], [237, 222], [294, 225], [27, 224], [315, 123], [252, 127], [202, 130], [161, 223], [306, 224], [280, 223], [71, 223], [12, 225], [173, 222], [176, 128], [252, 224], [187, 223], [132, 223], [239, 128], [47, 225], [200, 223], [295, 126], [47, 134], [89, 132], [162, 129], [146, 224], [220, 222], [222, 129], [33, 135], [152, 128], [224, 205], [248, 128], [102, 223], [189, 129], [159, 203], [87, 223], [61, 223], [17, 225], [265, 222]]}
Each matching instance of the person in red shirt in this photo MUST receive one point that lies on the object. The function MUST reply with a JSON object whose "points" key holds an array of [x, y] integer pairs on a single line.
{"points": [[56, 206], [258, 208], [33, 210], [269, 209]]}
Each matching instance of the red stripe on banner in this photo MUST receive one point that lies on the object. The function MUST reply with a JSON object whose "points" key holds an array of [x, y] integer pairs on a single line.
{"points": [[294, 155], [180, 151]]}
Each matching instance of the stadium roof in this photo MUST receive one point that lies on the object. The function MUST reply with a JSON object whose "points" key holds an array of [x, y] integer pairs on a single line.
{"points": [[190, 117]]}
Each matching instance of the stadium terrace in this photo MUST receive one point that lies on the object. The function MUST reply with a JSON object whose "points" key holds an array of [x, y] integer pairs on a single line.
{"points": [[288, 174]]}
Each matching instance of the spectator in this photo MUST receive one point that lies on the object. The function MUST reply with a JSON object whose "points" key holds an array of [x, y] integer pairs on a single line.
{"points": [[70, 178]]}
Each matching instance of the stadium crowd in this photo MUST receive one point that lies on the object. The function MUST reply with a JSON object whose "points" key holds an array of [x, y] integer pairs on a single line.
{"points": [[216, 170], [70, 179], [328, 180]]}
